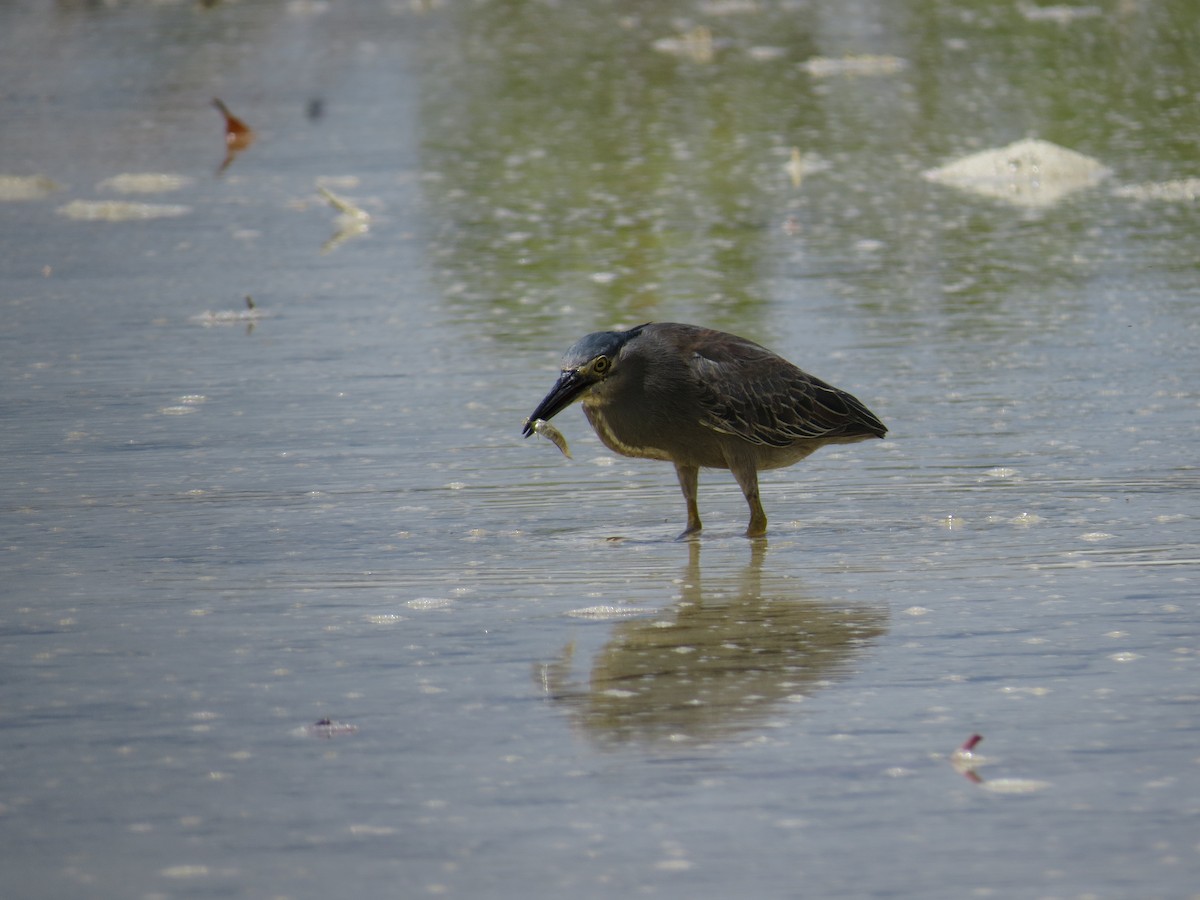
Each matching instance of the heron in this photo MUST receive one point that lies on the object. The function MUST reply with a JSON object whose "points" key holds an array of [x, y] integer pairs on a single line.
{"points": [[703, 399]]}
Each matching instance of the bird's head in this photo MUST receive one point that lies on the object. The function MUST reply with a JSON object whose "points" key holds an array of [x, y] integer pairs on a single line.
{"points": [[590, 361]]}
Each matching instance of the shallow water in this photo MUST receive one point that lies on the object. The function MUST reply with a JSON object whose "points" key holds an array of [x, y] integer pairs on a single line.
{"points": [[221, 526]]}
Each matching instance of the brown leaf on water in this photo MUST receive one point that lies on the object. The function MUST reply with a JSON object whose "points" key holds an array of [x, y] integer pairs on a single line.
{"points": [[238, 135]]}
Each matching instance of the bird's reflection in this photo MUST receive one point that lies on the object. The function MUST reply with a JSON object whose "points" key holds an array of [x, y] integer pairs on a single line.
{"points": [[718, 662]]}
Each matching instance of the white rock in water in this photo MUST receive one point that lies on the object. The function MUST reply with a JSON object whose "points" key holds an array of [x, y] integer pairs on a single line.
{"points": [[1031, 173]]}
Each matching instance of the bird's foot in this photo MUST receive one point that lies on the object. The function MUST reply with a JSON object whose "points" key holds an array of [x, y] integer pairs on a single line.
{"points": [[757, 528]]}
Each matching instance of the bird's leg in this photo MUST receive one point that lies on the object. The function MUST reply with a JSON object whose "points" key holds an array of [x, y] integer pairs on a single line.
{"points": [[747, 479], [689, 479]]}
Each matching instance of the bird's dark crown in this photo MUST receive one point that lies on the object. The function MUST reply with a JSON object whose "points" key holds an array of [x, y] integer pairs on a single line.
{"points": [[598, 343]]}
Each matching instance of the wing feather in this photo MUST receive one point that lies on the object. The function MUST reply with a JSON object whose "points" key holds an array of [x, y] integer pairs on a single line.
{"points": [[748, 391]]}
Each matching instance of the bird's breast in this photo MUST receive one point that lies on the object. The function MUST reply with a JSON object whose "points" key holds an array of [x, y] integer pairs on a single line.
{"points": [[618, 435]]}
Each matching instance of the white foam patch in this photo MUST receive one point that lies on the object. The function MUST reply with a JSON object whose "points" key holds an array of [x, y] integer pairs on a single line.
{"points": [[120, 211], [144, 183]]}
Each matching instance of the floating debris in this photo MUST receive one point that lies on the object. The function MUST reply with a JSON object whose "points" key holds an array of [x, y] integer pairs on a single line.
{"points": [[552, 434], [328, 728], [385, 619], [965, 756], [351, 221], [1014, 785], [965, 761], [795, 167], [696, 44], [185, 406], [120, 211], [144, 183], [766, 53], [250, 315], [1061, 15], [827, 67], [1179, 190], [1026, 520], [344, 206], [429, 603], [605, 612], [1029, 173], [26, 187], [238, 135]]}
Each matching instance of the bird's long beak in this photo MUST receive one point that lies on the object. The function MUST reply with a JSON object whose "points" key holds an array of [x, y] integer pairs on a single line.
{"points": [[566, 390]]}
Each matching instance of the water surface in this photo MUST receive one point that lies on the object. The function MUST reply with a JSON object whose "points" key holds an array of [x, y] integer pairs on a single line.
{"points": [[221, 527]]}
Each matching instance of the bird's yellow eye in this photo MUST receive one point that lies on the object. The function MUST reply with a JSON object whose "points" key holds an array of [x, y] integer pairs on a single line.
{"points": [[600, 365]]}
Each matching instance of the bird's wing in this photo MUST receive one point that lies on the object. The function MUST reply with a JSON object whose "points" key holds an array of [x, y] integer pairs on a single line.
{"points": [[748, 391]]}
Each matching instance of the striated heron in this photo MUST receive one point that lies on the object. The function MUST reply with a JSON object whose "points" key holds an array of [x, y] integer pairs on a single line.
{"points": [[701, 398]]}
